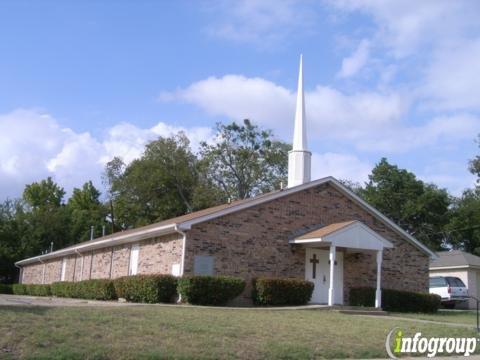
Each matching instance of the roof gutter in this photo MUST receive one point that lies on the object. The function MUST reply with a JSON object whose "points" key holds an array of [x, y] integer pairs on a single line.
{"points": [[115, 240]]}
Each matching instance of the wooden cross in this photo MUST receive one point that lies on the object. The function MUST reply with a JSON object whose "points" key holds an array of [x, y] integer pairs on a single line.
{"points": [[314, 262]]}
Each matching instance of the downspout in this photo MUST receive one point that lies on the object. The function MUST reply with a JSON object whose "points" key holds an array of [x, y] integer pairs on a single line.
{"points": [[20, 276], [184, 240]]}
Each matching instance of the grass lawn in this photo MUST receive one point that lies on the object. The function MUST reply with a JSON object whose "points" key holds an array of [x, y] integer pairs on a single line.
{"points": [[455, 316], [150, 332]]}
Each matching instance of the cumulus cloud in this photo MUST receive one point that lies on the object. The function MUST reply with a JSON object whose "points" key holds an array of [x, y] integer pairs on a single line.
{"points": [[329, 111], [33, 145]]}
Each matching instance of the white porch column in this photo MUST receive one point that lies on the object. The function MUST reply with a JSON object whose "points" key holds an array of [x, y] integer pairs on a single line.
{"points": [[378, 292], [331, 289]]}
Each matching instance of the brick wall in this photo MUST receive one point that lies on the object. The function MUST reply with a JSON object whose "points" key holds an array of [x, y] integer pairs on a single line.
{"points": [[156, 256], [254, 242]]}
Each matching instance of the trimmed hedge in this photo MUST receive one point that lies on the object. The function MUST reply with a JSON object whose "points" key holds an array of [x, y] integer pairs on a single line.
{"points": [[6, 289], [146, 288], [396, 300], [280, 291], [31, 289], [210, 290], [96, 289]]}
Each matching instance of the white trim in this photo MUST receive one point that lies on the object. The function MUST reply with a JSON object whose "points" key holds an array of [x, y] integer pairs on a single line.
{"points": [[184, 243], [454, 267], [133, 260], [64, 269]]}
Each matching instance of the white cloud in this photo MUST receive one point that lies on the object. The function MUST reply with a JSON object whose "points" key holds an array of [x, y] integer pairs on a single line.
{"points": [[353, 64], [341, 166], [33, 145]]}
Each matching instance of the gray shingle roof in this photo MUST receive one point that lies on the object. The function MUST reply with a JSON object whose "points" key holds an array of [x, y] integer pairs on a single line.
{"points": [[455, 258]]}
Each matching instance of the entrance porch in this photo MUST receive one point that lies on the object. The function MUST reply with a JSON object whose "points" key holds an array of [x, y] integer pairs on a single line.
{"points": [[325, 252]]}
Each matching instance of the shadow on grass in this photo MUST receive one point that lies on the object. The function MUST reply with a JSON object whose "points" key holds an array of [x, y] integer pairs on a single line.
{"points": [[36, 310]]}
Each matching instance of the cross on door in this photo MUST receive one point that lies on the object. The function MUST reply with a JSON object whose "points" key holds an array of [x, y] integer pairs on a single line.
{"points": [[314, 262]]}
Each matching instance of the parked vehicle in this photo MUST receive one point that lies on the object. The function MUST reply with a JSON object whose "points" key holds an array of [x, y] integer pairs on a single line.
{"points": [[451, 289]]}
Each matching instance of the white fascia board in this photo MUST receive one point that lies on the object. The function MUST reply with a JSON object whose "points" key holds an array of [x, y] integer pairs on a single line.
{"points": [[307, 241], [113, 241], [382, 217], [456, 267]]}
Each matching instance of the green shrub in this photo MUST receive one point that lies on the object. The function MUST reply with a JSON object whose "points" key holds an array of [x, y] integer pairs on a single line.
{"points": [[210, 290], [19, 289], [146, 288], [95, 289], [280, 291], [38, 290], [6, 289], [396, 300], [31, 289]]}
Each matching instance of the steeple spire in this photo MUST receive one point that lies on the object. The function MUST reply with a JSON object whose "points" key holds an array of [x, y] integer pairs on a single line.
{"points": [[299, 159], [300, 131]]}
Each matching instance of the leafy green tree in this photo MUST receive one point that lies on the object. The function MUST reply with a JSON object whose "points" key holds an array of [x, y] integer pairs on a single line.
{"points": [[164, 182], [86, 210], [245, 161], [419, 208], [45, 216], [10, 246], [463, 229]]}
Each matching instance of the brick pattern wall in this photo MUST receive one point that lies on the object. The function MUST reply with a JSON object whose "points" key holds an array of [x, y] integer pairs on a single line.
{"points": [[254, 242], [156, 256]]}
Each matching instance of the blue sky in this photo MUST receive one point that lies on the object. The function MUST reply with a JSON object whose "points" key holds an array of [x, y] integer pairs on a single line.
{"points": [[81, 82]]}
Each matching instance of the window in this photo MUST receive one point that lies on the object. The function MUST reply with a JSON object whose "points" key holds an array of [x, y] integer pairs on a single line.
{"points": [[64, 268], [455, 282], [203, 265], [133, 266], [437, 282]]}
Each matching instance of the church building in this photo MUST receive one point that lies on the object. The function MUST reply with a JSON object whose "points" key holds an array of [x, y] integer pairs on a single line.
{"points": [[316, 230]]}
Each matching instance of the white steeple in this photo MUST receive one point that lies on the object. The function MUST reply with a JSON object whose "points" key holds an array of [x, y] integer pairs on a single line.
{"points": [[299, 159]]}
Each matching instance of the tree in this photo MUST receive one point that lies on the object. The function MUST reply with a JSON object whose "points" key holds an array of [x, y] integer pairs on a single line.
{"points": [[86, 210], [419, 208], [474, 165], [45, 216], [164, 182], [464, 227], [244, 160]]}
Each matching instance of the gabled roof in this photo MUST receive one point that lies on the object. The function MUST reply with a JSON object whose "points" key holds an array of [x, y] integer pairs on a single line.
{"points": [[326, 230], [185, 222], [348, 234], [455, 259]]}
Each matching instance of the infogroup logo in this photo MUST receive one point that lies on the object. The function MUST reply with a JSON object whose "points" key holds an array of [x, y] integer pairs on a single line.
{"points": [[430, 346]]}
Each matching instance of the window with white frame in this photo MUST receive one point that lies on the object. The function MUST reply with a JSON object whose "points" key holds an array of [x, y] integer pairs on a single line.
{"points": [[64, 269], [133, 266]]}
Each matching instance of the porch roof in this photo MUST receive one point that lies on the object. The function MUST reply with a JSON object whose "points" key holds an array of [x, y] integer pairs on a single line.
{"points": [[349, 234]]}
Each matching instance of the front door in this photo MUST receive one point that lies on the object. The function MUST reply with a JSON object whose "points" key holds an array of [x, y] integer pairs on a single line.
{"points": [[317, 270]]}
